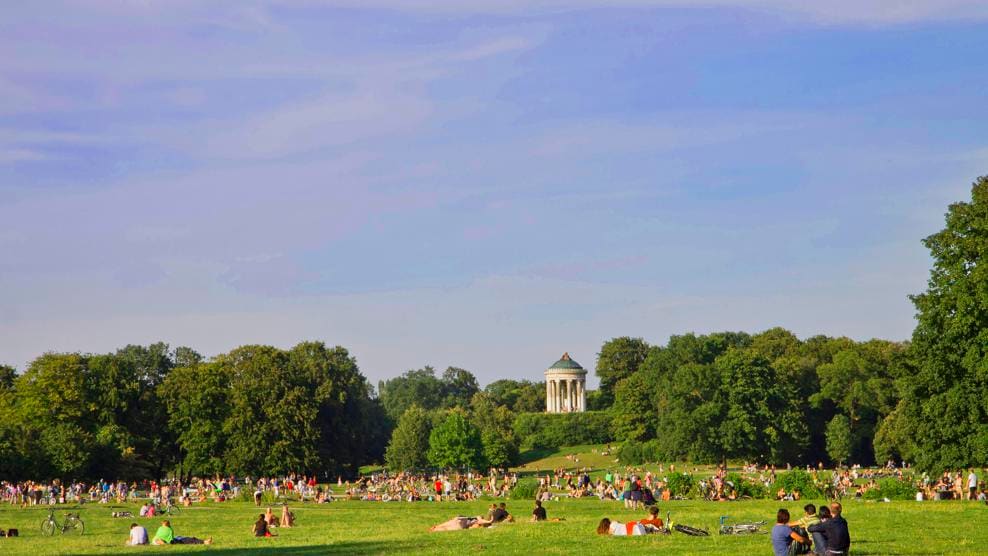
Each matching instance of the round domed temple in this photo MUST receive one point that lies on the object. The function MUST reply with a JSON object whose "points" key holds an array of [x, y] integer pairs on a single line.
{"points": [[565, 386]]}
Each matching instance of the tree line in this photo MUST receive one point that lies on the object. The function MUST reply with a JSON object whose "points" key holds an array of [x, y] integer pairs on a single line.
{"points": [[770, 397], [144, 411], [773, 398]]}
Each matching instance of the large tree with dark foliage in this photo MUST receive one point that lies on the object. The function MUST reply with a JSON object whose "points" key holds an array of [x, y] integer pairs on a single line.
{"points": [[944, 409], [618, 359]]}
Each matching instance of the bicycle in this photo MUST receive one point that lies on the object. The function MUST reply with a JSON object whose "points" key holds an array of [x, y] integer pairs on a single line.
{"points": [[684, 529], [170, 508], [739, 528], [72, 524]]}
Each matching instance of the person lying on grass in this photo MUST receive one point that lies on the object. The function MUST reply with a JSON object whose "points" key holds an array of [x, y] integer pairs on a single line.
{"points": [[458, 523], [166, 535], [608, 527], [260, 528]]}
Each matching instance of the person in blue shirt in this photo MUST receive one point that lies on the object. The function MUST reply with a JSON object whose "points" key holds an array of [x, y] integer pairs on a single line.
{"points": [[783, 535]]}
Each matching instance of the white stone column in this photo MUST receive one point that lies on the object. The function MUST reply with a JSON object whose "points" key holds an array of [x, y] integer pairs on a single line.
{"points": [[548, 409], [551, 400], [583, 395], [572, 395], [555, 395]]}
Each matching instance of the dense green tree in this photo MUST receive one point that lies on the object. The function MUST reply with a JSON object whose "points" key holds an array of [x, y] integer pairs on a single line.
{"points": [[945, 397], [415, 387], [520, 396], [7, 376], [197, 404], [635, 412], [761, 420], [690, 410], [495, 423], [409, 443], [618, 359], [456, 443], [839, 438], [459, 386]]}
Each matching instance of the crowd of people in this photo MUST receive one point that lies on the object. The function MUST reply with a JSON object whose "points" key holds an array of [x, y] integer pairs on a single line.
{"points": [[413, 487], [197, 489], [823, 531]]}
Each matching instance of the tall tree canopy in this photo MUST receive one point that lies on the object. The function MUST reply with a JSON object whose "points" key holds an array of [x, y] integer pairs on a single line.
{"points": [[944, 399], [456, 443], [409, 445], [618, 359], [422, 387]]}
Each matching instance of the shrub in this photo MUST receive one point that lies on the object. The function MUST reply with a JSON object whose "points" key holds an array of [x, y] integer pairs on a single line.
{"points": [[525, 489], [637, 453], [800, 480], [893, 489], [679, 484], [744, 487], [553, 430]]}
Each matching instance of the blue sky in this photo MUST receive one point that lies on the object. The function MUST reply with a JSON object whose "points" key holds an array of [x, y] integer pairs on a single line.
{"points": [[481, 184]]}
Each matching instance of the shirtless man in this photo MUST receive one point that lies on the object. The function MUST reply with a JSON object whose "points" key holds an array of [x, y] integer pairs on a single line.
{"points": [[459, 523]]}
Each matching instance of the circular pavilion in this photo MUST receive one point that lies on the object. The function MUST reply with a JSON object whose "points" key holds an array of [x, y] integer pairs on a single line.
{"points": [[565, 386]]}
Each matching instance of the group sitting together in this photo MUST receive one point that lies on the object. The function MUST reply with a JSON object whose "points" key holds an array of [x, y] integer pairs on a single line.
{"points": [[164, 535], [824, 533], [267, 520]]}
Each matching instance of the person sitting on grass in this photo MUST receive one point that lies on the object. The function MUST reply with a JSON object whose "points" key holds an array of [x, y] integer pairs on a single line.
{"points": [[500, 513], [653, 523], [166, 535], [538, 514], [458, 523], [260, 528], [834, 531], [138, 535], [631, 528], [783, 535], [269, 517], [287, 517], [819, 542]]}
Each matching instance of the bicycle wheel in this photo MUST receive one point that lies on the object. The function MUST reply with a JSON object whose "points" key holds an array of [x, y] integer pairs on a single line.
{"points": [[47, 527], [74, 525], [691, 531]]}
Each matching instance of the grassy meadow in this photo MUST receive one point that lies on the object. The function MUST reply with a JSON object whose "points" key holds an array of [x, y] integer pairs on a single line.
{"points": [[356, 527]]}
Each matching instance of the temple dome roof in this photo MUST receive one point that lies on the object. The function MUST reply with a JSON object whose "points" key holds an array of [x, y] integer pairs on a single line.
{"points": [[566, 363]]}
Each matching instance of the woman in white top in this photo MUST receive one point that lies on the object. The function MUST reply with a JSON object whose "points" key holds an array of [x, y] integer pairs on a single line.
{"points": [[631, 528]]}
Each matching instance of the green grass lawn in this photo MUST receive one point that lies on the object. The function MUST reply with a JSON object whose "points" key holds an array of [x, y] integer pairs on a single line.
{"points": [[355, 527]]}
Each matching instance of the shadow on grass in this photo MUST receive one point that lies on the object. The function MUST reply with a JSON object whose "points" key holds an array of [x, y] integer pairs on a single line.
{"points": [[347, 547], [535, 454]]}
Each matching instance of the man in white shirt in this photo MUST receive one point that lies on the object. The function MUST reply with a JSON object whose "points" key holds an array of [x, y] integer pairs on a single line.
{"points": [[138, 535], [972, 485]]}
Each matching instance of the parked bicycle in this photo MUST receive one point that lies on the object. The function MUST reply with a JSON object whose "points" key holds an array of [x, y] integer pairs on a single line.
{"points": [[72, 524], [684, 529], [169, 508], [739, 528]]}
